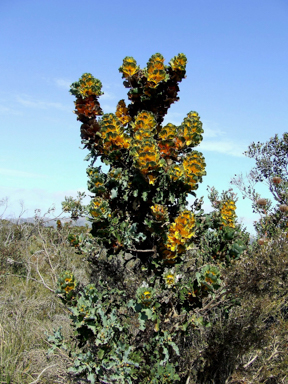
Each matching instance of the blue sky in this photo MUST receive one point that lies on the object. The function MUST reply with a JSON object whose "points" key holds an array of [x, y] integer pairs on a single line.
{"points": [[236, 80]]}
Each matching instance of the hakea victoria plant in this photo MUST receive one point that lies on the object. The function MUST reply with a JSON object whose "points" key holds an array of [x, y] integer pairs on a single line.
{"points": [[152, 167], [132, 320]]}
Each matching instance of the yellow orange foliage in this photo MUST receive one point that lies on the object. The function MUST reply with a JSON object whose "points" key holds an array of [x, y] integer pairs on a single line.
{"points": [[179, 62], [160, 212], [228, 213], [180, 232], [112, 134], [129, 67], [156, 70], [122, 113], [194, 168], [87, 85], [146, 155]]}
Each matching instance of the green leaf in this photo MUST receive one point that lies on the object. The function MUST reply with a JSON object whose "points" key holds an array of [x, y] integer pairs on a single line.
{"points": [[175, 347], [100, 353], [114, 193], [134, 90], [208, 324], [185, 325], [171, 198], [91, 377], [142, 319], [73, 369], [229, 233], [106, 162], [144, 196], [148, 312], [138, 307], [166, 356], [131, 304], [92, 327]]}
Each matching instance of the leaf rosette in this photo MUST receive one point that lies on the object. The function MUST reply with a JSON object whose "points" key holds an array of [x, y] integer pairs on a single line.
{"points": [[86, 86], [209, 278], [129, 67], [100, 209], [181, 232], [156, 71], [66, 285], [145, 295], [228, 214]]}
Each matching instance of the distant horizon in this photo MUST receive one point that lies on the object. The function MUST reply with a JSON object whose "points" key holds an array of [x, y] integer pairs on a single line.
{"points": [[80, 222]]}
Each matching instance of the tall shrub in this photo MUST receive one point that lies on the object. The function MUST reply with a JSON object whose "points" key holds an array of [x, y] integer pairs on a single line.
{"points": [[155, 262]]}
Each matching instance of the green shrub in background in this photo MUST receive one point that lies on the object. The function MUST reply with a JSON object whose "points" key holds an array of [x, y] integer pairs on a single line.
{"points": [[156, 286], [271, 168]]}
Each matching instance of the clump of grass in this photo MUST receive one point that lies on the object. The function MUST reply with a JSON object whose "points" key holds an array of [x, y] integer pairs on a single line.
{"points": [[31, 258], [27, 311]]}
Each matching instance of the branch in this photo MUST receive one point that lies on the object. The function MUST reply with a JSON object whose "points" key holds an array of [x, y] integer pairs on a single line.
{"points": [[48, 256], [250, 362], [40, 374], [140, 250], [216, 298], [43, 282]]}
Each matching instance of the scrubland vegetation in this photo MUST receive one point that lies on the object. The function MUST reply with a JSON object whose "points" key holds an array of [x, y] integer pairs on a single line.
{"points": [[245, 342], [153, 291]]}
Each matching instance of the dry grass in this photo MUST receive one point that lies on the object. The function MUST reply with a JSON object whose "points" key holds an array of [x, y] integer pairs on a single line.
{"points": [[27, 311], [31, 258]]}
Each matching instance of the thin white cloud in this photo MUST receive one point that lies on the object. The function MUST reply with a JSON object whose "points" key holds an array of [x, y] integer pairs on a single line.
{"points": [[63, 83], [107, 96], [113, 85], [17, 173], [7, 110], [175, 118], [30, 103], [228, 147], [208, 132]]}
